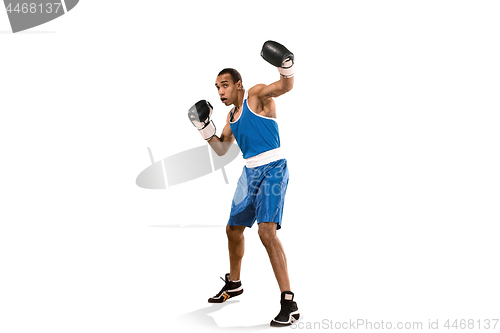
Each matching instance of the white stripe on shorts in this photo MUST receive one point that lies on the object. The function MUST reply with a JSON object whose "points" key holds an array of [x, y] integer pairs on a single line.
{"points": [[264, 158]]}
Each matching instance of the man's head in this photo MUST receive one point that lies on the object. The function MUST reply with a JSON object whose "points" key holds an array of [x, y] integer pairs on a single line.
{"points": [[228, 83]]}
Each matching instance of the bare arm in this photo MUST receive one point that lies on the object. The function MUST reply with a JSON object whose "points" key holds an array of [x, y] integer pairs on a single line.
{"points": [[279, 56], [222, 144], [275, 89]]}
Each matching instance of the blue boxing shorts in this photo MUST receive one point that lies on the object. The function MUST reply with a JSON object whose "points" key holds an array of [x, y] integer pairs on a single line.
{"points": [[260, 195]]}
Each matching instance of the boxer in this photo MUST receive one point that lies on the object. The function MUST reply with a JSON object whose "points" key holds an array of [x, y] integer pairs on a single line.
{"points": [[261, 188]]}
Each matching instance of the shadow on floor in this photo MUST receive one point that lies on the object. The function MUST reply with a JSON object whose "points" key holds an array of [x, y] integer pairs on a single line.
{"points": [[201, 319]]}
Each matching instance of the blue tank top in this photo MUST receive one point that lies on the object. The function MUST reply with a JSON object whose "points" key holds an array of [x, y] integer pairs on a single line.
{"points": [[255, 134]]}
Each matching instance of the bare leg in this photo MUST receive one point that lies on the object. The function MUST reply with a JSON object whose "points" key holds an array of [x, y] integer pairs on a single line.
{"points": [[236, 244], [267, 234]]}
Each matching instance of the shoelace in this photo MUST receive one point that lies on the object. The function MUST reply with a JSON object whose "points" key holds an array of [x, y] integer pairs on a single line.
{"points": [[223, 288]]}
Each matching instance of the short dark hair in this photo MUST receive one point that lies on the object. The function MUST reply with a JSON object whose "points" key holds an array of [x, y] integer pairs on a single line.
{"points": [[235, 75]]}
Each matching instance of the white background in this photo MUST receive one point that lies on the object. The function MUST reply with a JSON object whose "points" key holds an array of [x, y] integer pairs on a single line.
{"points": [[392, 140]]}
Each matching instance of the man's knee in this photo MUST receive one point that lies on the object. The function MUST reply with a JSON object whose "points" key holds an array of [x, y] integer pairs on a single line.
{"points": [[267, 232], [234, 232]]}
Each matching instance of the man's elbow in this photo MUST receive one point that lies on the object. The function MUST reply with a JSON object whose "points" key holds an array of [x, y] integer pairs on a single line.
{"points": [[220, 148], [220, 153]]}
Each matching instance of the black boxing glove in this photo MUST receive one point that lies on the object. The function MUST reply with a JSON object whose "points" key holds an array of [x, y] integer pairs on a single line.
{"points": [[279, 56], [199, 114]]}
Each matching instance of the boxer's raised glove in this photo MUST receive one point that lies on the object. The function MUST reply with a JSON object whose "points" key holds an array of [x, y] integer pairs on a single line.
{"points": [[279, 56], [199, 114]]}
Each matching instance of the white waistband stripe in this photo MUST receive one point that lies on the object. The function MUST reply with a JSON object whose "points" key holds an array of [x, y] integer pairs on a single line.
{"points": [[264, 158]]}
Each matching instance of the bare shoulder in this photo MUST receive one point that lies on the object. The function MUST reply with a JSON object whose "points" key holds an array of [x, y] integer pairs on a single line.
{"points": [[255, 90], [256, 94], [260, 103]]}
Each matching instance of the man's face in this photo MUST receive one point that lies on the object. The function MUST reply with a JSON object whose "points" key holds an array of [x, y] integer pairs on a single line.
{"points": [[228, 91]]}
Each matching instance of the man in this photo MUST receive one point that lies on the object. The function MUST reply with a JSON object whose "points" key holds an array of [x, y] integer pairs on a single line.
{"points": [[262, 186]]}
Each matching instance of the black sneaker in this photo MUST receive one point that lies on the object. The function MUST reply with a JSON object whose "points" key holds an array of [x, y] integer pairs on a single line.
{"points": [[231, 289], [289, 311]]}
